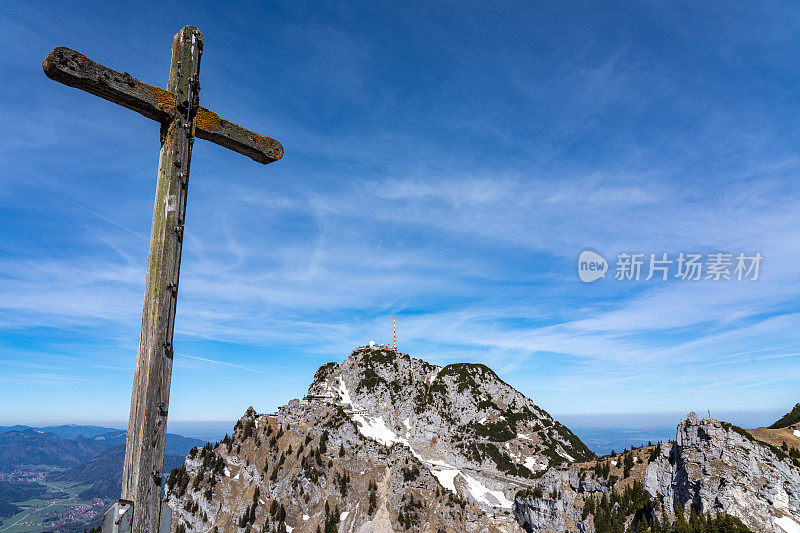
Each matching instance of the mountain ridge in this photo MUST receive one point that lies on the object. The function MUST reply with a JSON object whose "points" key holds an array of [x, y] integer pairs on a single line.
{"points": [[420, 446], [467, 401], [383, 442], [308, 469], [33, 446]]}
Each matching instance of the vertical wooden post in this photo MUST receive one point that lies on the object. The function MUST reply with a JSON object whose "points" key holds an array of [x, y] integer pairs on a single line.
{"points": [[147, 424]]}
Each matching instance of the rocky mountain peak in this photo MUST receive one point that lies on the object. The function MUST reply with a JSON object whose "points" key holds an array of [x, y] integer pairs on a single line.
{"points": [[385, 442], [478, 435]]}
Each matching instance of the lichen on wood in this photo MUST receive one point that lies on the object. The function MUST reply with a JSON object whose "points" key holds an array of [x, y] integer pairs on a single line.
{"points": [[74, 69]]}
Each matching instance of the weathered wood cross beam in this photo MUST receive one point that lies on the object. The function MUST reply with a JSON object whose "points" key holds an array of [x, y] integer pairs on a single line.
{"points": [[177, 109]]}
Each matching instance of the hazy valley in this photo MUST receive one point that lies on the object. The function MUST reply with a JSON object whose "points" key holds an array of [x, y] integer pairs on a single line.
{"points": [[63, 478]]}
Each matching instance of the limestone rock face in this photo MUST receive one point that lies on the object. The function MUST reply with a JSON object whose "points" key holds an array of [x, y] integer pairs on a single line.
{"points": [[558, 508], [712, 467], [556, 504], [539, 514], [309, 469], [715, 466]]}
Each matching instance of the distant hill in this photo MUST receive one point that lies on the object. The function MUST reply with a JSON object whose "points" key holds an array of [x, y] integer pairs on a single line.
{"points": [[38, 447], [789, 419], [20, 491], [7, 509], [6, 429], [176, 444], [104, 473], [93, 456], [70, 431], [65, 431], [180, 445], [17, 491]]}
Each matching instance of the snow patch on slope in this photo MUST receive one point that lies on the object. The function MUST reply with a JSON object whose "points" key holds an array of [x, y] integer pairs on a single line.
{"points": [[376, 429], [447, 474], [482, 494], [446, 478], [787, 524]]}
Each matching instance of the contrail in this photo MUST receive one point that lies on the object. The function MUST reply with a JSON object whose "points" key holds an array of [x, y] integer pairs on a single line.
{"points": [[224, 363], [95, 213]]}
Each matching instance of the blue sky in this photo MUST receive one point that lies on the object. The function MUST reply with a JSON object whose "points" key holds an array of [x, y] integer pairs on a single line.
{"points": [[445, 163]]}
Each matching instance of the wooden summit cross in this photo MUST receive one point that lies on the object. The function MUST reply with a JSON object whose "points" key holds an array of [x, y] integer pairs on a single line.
{"points": [[177, 109]]}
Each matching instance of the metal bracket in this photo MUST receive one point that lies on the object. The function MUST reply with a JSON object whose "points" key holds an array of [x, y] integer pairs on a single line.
{"points": [[119, 519]]}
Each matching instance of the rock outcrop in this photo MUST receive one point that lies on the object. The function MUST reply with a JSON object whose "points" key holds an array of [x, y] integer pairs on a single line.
{"points": [[715, 466]]}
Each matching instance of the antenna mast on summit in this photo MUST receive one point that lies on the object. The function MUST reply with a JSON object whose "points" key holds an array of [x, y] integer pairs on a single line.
{"points": [[394, 332]]}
